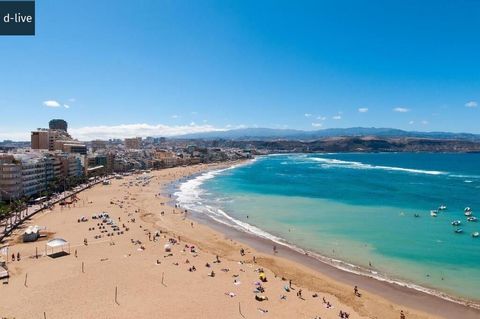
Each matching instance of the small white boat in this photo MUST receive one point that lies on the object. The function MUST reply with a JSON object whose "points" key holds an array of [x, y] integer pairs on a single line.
{"points": [[467, 209], [456, 223], [442, 207], [468, 213], [458, 231], [433, 213], [472, 219], [475, 234]]}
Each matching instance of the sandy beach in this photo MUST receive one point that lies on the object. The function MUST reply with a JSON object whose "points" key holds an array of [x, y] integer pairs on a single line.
{"points": [[160, 263]]}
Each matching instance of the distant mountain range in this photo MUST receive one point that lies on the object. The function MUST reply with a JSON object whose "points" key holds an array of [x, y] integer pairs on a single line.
{"points": [[288, 134]]}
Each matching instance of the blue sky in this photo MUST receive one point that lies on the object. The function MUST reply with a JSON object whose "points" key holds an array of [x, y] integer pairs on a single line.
{"points": [[164, 67]]}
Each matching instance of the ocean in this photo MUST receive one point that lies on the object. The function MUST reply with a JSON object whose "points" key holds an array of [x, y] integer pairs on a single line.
{"points": [[357, 211]]}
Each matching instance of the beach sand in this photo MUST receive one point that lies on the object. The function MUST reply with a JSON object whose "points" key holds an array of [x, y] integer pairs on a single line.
{"points": [[119, 277]]}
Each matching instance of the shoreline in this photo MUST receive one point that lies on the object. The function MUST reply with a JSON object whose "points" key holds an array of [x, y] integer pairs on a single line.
{"points": [[412, 295], [61, 288]]}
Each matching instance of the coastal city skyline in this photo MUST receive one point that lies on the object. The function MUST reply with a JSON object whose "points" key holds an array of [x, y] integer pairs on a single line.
{"points": [[177, 67]]}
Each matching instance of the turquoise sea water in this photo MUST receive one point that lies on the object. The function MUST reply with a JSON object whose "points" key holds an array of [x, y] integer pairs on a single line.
{"points": [[358, 208]]}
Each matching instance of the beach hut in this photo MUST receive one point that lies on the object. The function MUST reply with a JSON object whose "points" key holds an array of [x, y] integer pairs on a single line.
{"points": [[57, 247], [32, 233]]}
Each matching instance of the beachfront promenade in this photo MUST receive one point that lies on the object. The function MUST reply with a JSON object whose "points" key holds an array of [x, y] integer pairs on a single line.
{"points": [[7, 225]]}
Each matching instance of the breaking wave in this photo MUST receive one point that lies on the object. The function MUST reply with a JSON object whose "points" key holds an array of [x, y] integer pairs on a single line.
{"points": [[330, 162]]}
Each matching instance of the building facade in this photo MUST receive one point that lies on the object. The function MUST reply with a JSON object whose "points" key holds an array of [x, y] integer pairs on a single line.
{"points": [[31, 173], [44, 139], [10, 178], [133, 143], [58, 124]]}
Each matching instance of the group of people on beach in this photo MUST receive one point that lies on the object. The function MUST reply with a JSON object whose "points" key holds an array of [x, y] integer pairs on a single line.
{"points": [[260, 286]]}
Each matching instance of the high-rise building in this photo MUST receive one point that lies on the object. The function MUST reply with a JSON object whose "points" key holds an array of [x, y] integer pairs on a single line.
{"points": [[39, 140], [58, 124], [44, 139]]}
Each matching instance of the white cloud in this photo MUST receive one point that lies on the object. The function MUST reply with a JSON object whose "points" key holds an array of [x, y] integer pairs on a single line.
{"points": [[15, 136], [66, 106], [411, 122], [401, 110], [337, 117], [321, 118], [51, 103], [131, 130], [471, 104], [363, 110], [424, 122], [317, 124], [308, 114]]}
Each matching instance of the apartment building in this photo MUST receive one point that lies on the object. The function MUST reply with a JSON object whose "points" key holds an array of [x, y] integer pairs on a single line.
{"points": [[34, 174], [10, 177], [70, 146], [133, 143], [166, 158], [71, 165], [44, 139], [29, 174]]}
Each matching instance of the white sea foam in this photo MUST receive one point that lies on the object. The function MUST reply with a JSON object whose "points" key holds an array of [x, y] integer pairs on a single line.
{"points": [[330, 162], [189, 192], [465, 176]]}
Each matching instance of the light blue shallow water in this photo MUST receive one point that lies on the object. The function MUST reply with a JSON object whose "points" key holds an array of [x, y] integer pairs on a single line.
{"points": [[359, 208]]}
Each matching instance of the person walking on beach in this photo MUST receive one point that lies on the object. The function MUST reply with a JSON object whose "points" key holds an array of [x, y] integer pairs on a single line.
{"points": [[402, 314], [355, 291], [299, 294]]}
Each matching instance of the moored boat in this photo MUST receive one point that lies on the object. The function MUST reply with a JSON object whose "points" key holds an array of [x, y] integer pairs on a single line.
{"points": [[433, 213], [468, 213], [472, 219], [442, 207], [456, 223], [475, 234], [458, 231]]}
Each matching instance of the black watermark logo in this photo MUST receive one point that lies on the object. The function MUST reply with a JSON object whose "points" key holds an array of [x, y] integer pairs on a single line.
{"points": [[17, 17]]}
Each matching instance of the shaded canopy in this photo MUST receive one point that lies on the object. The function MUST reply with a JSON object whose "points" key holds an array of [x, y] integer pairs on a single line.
{"points": [[56, 242]]}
